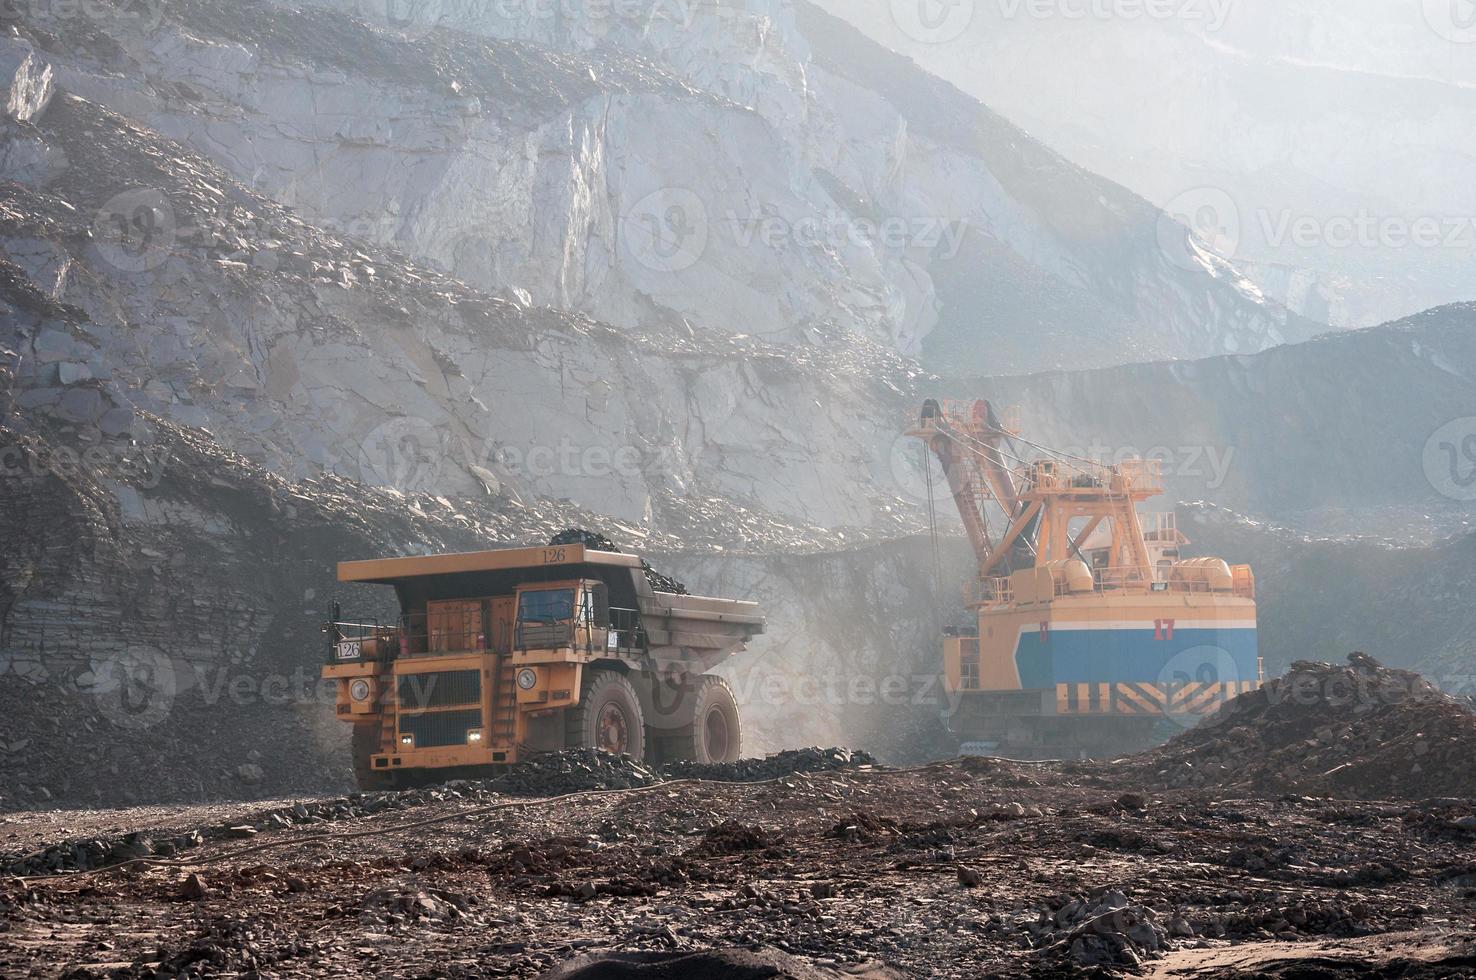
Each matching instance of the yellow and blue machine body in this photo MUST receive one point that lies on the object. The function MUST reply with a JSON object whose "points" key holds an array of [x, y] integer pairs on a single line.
{"points": [[1090, 633]]}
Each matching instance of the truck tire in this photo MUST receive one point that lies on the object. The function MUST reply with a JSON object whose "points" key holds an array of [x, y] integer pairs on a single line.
{"points": [[608, 716], [715, 733], [365, 744]]}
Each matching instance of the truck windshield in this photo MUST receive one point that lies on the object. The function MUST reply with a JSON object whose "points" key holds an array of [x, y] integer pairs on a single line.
{"points": [[546, 606]]}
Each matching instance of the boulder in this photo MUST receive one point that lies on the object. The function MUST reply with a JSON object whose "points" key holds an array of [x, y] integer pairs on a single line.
{"points": [[27, 80]]}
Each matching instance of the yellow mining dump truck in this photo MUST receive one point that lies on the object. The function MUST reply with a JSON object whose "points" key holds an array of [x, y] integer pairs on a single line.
{"points": [[500, 653]]}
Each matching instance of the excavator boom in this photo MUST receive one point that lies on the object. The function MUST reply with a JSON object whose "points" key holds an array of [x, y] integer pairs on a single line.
{"points": [[969, 441]]}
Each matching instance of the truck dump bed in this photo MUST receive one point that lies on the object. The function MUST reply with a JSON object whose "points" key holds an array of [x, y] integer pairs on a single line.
{"points": [[697, 628]]}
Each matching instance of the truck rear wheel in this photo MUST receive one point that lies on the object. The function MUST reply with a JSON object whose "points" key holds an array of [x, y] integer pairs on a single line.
{"points": [[716, 730], [365, 744], [608, 716]]}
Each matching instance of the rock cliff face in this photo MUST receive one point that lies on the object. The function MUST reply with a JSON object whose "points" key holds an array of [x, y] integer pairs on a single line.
{"points": [[271, 278], [310, 352], [753, 167]]}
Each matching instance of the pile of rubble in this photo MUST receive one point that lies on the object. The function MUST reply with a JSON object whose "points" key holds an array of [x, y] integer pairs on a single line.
{"points": [[597, 541], [1102, 930], [402, 906], [732, 837], [788, 763], [1361, 731], [572, 771]]}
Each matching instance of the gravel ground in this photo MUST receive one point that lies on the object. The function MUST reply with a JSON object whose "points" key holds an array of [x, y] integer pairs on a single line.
{"points": [[966, 868]]}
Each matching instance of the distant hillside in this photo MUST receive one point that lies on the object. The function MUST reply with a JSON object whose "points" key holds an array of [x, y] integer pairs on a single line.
{"points": [[1321, 599], [1346, 422]]}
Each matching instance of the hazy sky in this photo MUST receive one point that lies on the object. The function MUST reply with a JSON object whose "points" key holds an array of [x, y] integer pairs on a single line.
{"points": [[1323, 135]]}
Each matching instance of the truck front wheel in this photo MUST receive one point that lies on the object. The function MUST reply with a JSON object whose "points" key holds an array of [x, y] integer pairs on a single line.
{"points": [[608, 716]]}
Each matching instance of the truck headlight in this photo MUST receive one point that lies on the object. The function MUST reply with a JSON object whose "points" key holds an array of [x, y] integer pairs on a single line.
{"points": [[474, 736], [407, 740], [359, 690], [527, 678]]}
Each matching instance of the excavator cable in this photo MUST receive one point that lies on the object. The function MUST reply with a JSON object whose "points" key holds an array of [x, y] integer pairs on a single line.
{"points": [[1059, 453], [932, 519], [978, 448]]}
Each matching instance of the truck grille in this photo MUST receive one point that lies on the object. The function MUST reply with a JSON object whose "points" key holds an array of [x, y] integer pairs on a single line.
{"points": [[440, 727], [440, 689]]}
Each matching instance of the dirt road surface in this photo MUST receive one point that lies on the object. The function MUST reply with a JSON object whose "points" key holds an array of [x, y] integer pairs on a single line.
{"points": [[960, 869]]}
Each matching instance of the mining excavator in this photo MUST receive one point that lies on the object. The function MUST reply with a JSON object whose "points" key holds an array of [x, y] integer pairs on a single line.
{"points": [[1089, 634], [496, 654]]}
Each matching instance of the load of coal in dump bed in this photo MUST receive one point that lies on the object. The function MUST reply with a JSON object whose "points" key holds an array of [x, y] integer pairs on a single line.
{"points": [[591, 539], [1360, 731]]}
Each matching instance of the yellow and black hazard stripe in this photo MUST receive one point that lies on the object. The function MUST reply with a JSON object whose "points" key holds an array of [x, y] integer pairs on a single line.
{"points": [[1131, 698], [1139, 699]]}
